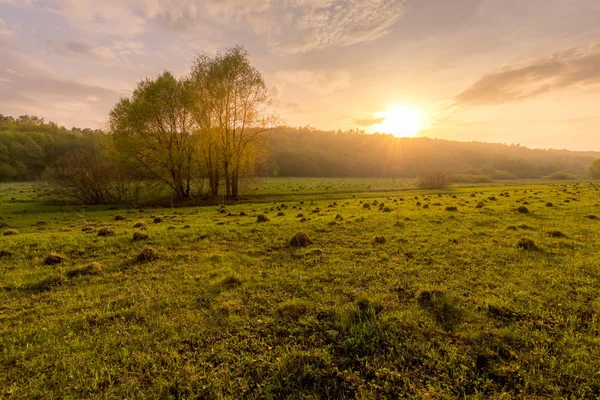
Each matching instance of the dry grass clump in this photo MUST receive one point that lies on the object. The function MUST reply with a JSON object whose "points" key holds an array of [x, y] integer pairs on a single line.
{"points": [[106, 231], [300, 239], [54, 259], [148, 254], [292, 309], [92, 269], [380, 239], [526, 244], [10, 232], [262, 218], [140, 236]]}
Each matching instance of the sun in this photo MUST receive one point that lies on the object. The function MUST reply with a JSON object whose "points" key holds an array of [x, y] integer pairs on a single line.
{"points": [[401, 121]]}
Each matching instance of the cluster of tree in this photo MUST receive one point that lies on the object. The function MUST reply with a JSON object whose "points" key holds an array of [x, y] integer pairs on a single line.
{"points": [[206, 126], [310, 152]]}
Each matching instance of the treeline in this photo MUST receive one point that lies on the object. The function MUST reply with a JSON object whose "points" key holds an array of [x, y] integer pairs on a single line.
{"points": [[315, 153], [28, 145]]}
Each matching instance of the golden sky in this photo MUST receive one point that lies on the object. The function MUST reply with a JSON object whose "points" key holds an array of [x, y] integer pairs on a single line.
{"points": [[509, 71]]}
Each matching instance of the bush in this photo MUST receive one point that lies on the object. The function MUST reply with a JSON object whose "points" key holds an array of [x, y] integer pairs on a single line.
{"points": [[502, 175], [434, 180], [470, 178], [595, 169], [561, 176], [86, 176]]}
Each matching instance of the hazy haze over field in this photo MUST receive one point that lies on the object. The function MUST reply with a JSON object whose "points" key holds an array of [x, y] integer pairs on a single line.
{"points": [[522, 71]]}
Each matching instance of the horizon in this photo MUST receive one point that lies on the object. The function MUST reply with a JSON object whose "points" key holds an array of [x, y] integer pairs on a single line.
{"points": [[475, 70]]}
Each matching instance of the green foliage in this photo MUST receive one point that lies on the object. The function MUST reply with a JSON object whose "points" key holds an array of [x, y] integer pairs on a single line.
{"points": [[28, 146], [434, 180], [561, 176], [154, 135], [470, 178], [595, 169]]}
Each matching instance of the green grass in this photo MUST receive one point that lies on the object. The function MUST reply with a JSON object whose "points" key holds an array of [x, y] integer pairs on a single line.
{"points": [[447, 306]]}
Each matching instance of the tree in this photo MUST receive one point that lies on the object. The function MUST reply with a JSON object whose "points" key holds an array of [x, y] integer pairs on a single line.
{"points": [[595, 169], [87, 176], [434, 180], [154, 133], [230, 110]]}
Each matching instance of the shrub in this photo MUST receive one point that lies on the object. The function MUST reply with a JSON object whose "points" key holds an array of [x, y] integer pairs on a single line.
{"points": [[262, 218], [502, 175], [434, 180], [470, 178], [595, 169], [561, 176], [523, 210], [88, 176]]}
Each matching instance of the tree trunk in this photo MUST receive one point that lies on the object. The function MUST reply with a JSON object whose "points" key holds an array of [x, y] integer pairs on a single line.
{"points": [[227, 180], [235, 183]]}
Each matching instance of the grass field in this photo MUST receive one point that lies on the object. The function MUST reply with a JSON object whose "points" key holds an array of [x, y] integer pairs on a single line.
{"points": [[479, 292]]}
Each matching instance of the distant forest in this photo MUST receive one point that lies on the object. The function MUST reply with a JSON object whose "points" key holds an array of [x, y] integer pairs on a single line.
{"points": [[29, 145]]}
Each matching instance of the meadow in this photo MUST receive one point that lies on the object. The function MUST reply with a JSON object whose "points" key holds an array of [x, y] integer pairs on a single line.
{"points": [[488, 291]]}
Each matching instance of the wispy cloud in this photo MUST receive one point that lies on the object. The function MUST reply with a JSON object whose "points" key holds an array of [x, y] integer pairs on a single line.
{"points": [[83, 50], [578, 66], [317, 24], [366, 122], [291, 26]]}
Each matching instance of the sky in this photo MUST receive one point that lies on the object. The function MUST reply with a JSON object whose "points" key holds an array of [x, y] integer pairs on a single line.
{"points": [[510, 71]]}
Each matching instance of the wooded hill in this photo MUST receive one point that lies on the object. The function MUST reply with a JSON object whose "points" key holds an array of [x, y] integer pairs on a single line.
{"points": [[28, 145]]}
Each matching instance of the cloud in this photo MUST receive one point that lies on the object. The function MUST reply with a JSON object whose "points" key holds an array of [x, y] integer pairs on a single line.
{"points": [[578, 66], [5, 32], [27, 87], [82, 50], [318, 24], [319, 81], [366, 122], [290, 26]]}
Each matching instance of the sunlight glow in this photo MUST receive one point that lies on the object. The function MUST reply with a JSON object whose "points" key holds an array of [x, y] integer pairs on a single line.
{"points": [[401, 121]]}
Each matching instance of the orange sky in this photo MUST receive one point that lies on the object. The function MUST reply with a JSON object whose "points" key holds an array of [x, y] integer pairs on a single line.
{"points": [[510, 71]]}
